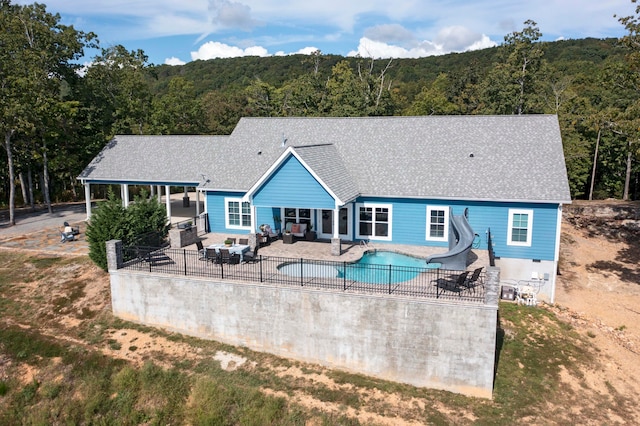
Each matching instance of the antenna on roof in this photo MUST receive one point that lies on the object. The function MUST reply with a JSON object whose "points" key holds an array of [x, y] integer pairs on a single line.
{"points": [[284, 141]]}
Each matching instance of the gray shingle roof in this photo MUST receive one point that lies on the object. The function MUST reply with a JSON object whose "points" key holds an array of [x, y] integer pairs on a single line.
{"points": [[504, 158]]}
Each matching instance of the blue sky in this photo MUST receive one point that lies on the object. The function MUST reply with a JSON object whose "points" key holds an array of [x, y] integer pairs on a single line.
{"points": [[180, 31]]}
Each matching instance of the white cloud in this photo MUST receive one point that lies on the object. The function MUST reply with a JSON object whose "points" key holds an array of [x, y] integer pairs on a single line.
{"points": [[451, 40], [231, 14], [389, 33], [174, 61], [214, 49]]}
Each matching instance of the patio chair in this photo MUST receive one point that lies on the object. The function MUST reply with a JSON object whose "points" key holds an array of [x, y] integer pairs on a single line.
{"points": [[66, 236], [212, 256], [243, 241], [230, 258], [454, 285], [252, 255], [233, 240], [473, 281], [202, 253]]}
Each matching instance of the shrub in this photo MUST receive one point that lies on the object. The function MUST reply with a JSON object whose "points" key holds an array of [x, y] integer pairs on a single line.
{"points": [[112, 221]]}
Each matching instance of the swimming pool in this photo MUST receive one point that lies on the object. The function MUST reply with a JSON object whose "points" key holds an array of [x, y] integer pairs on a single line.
{"points": [[374, 267]]}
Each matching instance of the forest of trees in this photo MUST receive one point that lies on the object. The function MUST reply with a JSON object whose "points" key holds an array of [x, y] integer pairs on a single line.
{"points": [[56, 115]]}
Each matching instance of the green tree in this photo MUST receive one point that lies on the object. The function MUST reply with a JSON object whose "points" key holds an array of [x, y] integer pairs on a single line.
{"points": [[111, 221], [117, 92], [511, 87], [107, 223], [36, 55], [433, 99], [177, 112], [222, 111]]}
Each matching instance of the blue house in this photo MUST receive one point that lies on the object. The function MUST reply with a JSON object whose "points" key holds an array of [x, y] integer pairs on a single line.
{"points": [[397, 180]]}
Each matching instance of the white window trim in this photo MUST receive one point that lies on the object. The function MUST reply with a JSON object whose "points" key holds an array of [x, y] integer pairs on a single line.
{"points": [[513, 212], [374, 206], [226, 214], [445, 237]]}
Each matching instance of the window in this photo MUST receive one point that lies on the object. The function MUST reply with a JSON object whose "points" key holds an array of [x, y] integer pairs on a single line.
{"points": [[520, 226], [292, 215], [437, 223], [237, 214], [374, 221]]}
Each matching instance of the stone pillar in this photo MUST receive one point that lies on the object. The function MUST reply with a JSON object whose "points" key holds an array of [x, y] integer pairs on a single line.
{"points": [[492, 286], [336, 247], [253, 239], [114, 255]]}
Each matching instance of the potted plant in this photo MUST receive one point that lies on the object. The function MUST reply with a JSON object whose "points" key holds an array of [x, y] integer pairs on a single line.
{"points": [[228, 243], [311, 234]]}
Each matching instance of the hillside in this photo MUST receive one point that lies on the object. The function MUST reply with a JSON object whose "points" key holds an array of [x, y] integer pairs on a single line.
{"points": [[229, 74], [65, 359]]}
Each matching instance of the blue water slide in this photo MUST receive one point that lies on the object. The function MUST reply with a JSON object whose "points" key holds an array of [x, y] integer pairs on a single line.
{"points": [[461, 238]]}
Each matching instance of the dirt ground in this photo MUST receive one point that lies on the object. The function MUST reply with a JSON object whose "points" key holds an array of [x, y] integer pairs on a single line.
{"points": [[598, 292]]}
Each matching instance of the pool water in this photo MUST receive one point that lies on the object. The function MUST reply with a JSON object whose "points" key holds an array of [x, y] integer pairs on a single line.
{"points": [[372, 268]]}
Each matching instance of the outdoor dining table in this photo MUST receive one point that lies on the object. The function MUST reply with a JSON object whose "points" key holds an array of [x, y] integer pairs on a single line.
{"points": [[239, 249]]}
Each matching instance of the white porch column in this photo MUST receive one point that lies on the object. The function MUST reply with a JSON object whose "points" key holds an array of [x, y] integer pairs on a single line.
{"points": [[168, 202], [336, 222], [254, 213], [125, 195], [152, 191], [197, 203], [87, 199], [159, 193]]}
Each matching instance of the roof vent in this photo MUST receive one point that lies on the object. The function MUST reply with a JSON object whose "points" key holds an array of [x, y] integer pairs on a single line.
{"points": [[284, 141], [471, 155]]}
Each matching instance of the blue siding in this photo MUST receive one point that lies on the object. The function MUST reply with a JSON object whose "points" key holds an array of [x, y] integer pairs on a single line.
{"points": [[410, 221], [291, 185], [216, 211]]}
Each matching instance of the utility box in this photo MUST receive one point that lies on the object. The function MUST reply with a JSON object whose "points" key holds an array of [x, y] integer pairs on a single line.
{"points": [[508, 293]]}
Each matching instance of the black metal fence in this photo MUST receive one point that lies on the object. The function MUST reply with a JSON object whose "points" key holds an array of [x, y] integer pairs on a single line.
{"points": [[319, 274]]}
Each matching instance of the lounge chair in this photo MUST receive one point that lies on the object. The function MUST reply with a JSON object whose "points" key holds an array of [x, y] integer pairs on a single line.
{"points": [[454, 285], [473, 281]]}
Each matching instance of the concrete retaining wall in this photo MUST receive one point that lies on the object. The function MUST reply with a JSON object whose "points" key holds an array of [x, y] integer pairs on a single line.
{"points": [[426, 343]]}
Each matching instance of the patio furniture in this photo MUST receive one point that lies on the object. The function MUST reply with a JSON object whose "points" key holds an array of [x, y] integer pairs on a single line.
{"points": [[455, 285], [287, 238], [297, 229], [472, 282], [202, 254], [228, 257], [243, 241], [66, 236], [212, 255], [238, 249], [233, 240], [252, 255]]}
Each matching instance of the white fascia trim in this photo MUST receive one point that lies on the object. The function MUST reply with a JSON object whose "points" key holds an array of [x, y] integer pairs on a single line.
{"points": [[289, 151]]}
